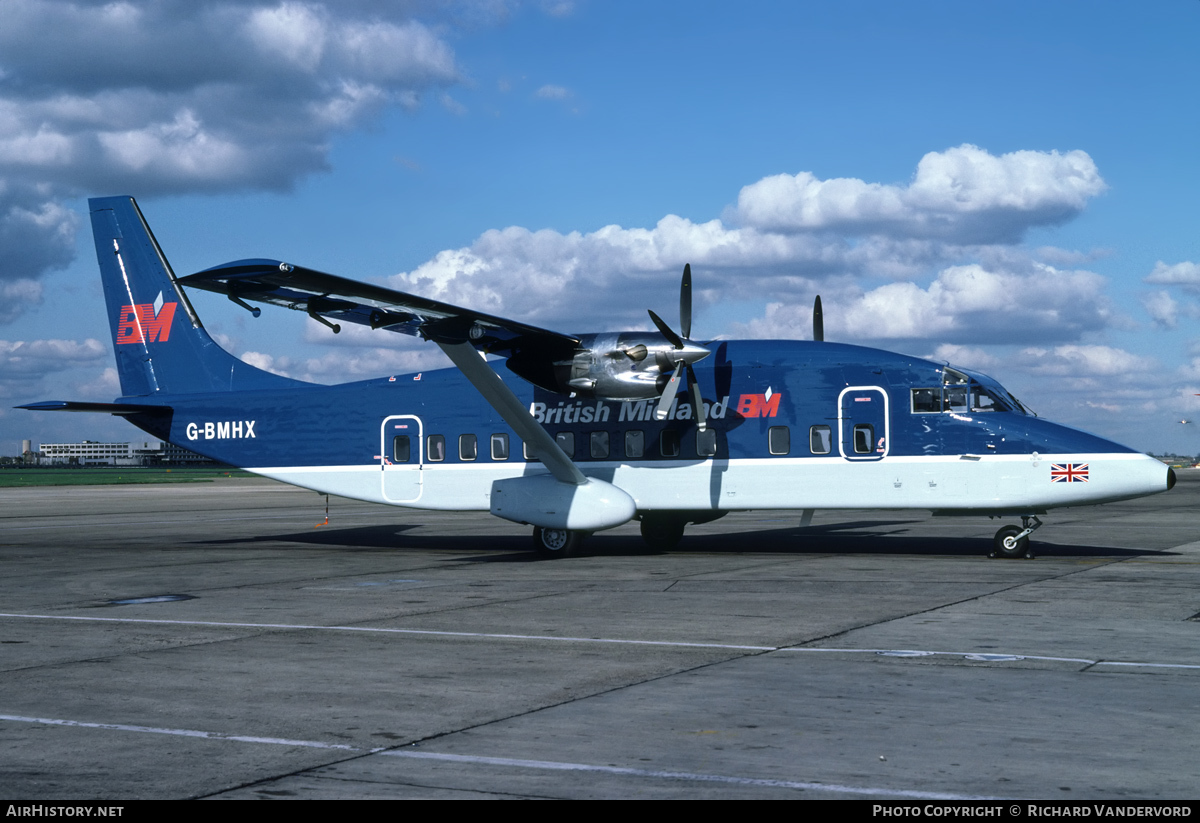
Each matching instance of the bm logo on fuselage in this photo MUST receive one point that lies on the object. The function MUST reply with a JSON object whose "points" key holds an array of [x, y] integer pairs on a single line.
{"points": [[146, 322]]}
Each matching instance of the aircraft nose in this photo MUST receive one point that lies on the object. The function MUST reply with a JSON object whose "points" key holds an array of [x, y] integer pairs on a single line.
{"points": [[1170, 478]]}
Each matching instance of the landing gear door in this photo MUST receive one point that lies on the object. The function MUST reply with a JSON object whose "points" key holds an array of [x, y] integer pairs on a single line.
{"points": [[864, 423], [401, 458]]}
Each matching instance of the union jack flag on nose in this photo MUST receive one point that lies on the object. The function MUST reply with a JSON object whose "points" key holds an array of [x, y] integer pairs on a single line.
{"points": [[1068, 472]]}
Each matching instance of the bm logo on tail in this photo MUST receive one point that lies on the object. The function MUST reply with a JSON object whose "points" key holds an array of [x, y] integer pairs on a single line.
{"points": [[146, 322]]}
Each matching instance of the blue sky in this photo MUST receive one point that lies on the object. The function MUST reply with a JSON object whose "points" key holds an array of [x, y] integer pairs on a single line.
{"points": [[1008, 186]]}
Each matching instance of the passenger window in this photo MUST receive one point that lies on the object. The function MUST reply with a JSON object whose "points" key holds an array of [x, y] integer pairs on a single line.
{"points": [[528, 452], [566, 442], [864, 436], [435, 445], [635, 443], [820, 440], [468, 448], [668, 443], [779, 439], [706, 442], [599, 445], [401, 449], [499, 446]]}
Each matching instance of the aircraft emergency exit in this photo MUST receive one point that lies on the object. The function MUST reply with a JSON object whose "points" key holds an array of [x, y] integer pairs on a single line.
{"points": [[583, 432]]}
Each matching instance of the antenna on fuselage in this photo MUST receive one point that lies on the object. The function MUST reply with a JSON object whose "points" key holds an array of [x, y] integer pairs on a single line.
{"points": [[818, 321]]}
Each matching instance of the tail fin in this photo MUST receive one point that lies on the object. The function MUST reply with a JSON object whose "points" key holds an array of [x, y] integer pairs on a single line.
{"points": [[160, 344]]}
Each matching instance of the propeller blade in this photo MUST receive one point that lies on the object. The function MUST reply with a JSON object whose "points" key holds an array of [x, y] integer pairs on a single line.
{"points": [[685, 302], [665, 330], [818, 321], [668, 395], [697, 400]]}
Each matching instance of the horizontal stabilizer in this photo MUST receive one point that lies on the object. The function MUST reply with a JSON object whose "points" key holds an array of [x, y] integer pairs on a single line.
{"points": [[102, 408], [328, 297]]}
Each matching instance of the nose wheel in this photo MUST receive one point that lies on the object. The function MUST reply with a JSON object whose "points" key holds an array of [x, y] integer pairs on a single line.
{"points": [[1013, 541]]}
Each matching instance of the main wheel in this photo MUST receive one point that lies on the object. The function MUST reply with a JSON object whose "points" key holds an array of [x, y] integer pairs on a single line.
{"points": [[662, 531], [1007, 544], [552, 543]]}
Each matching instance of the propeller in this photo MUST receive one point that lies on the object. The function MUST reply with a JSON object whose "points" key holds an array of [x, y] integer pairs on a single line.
{"points": [[686, 354], [818, 321]]}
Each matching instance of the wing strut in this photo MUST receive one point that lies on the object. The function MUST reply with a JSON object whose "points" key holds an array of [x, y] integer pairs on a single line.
{"points": [[502, 399]]}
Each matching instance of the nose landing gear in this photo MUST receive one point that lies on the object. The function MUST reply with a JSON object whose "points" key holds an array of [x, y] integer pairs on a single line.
{"points": [[1013, 541]]}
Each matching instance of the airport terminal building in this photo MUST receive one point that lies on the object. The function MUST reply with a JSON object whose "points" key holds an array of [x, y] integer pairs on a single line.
{"points": [[92, 453]]}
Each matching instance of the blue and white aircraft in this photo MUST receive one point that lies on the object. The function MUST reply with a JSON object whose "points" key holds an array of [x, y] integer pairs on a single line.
{"points": [[585, 432]]}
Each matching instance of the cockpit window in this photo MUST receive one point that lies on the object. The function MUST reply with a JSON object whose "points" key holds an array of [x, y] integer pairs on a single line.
{"points": [[927, 401], [961, 395], [954, 399], [984, 400]]}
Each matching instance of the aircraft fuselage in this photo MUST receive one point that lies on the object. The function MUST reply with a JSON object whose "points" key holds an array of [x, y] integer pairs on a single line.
{"points": [[791, 424]]}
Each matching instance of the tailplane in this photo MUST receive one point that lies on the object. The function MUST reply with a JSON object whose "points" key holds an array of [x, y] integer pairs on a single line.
{"points": [[160, 343]]}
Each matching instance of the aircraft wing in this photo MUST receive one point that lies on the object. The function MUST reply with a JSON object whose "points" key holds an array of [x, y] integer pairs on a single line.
{"points": [[326, 297], [454, 329]]}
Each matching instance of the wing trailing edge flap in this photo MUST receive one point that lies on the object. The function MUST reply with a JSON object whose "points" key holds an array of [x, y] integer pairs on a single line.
{"points": [[571, 500], [327, 297]]}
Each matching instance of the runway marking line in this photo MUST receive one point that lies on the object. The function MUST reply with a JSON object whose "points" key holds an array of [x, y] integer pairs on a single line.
{"points": [[122, 727], [976, 656], [378, 630], [550, 765], [668, 775]]}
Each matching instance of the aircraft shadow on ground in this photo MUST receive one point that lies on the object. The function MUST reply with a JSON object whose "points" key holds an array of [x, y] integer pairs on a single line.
{"points": [[870, 537]]}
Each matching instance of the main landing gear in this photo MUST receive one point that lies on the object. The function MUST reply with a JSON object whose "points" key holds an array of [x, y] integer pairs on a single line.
{"points": [[553, 543], [1013, 541], [662, 531]]}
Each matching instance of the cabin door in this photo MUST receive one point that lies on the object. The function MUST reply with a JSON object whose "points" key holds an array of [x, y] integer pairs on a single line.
{"points": [[401, 458], [864, 431]]}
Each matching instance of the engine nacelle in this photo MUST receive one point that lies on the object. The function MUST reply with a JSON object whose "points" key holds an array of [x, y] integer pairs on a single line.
{"points": [[541, 500], [623, 366]]}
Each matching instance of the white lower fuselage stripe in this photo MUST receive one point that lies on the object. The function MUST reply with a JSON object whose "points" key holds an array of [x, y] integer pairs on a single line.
{"points": [[1011, 483]]}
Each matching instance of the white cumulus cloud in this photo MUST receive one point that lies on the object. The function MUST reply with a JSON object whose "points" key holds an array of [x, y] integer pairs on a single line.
{"points": [[1185, 274], [173, 97], [963, 304], [37, 357], [963, 195], [1162, 308], [1077, 361]]}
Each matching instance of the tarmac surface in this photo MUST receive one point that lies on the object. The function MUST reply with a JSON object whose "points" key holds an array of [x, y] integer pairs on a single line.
{"points": [[406, 654]]}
